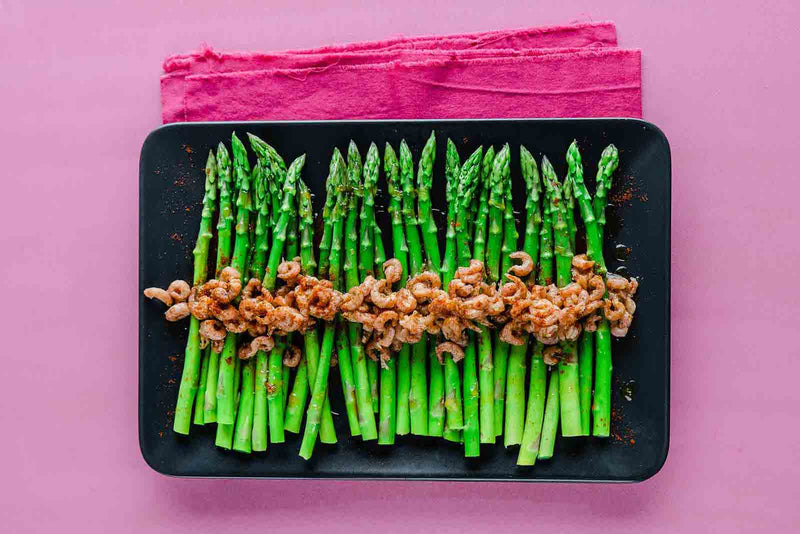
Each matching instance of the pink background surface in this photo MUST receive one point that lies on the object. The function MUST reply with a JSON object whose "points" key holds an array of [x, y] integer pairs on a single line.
{"points": [[80, 93]]}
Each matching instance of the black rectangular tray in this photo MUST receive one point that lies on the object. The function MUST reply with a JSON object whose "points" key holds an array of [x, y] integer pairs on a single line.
{"points": [[171, 187]]}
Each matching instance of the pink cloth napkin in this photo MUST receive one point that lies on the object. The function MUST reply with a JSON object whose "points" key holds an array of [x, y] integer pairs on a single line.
{"points": [[558, 71]]}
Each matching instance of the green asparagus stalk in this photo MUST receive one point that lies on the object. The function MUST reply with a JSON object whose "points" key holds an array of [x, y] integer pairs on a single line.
{"points": [[501, 349], [532, 434], [226, 396], [259, 439], [244, 418], [224, 229], [261, 179], [539, 438], [200, 397], [515, 393], [366, 418], [327, 432], [318, 396], [402, 366], [418, 394], [550, 423], [594, 249], [341, 192], [192, 360], [454, 420], [500, 173], [601, 406], [482, 215], [568, 365], [468, 179], [367, 242], [275, 388], [224, 434], [585, 357], [485, 359], [430, 240]]}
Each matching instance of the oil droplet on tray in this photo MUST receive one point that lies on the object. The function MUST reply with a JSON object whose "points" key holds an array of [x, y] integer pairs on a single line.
{"points": [[621, 252], [622, 271], [628, 390]]}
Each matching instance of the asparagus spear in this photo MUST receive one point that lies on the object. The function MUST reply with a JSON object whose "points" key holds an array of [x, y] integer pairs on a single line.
{"points": [[515, 396], [259, 435], [224, 434], [533, 432], [200, 253], [501, 349], [418, 394], [454, 420], [366, 419], [488, 179], [402, 367], [430, 240], [469, 174], [337, 191], [275, 400], [327, 433], [224, 226], [318, 395], [226, 396], [367, 241], [482, 215], [242, 441], [192, 360], [594, 249], [568, 366]]}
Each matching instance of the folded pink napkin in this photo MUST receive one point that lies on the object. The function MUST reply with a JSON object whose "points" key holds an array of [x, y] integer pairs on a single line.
{"points": [[566, 71]]}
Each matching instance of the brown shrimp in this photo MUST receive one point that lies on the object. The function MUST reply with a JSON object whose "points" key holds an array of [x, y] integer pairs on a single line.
{"points": [[382, 295], [287, 319], [159, 294], [450, 348], [288, 271], [513, 290], [179, 290], [352, 299], [213, 330], [458, 288], [614, 309], [453, 330], [424, 285], [199, 306], [615, 282], [392, 270], [551, 354], [471, 275], [405, 301], [582, 263], [526, 263], [178, 311], [252, 288], [292, 356], [508, 335]]}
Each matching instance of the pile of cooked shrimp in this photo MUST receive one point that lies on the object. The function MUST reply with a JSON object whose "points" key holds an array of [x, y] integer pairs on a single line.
{"points": [[391, 318]]}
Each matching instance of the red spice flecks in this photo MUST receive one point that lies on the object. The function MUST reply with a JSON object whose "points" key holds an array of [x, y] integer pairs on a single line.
{"points": [[173, 359], [180, 182], [187, 209], [171, 381], [188, 149], [176, 237], [161, 434]]}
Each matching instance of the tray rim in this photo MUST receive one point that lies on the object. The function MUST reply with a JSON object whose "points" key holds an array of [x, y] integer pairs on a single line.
{"points": [[667, 302]]}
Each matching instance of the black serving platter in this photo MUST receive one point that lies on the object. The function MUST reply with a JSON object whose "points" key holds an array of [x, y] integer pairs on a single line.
{"points": [[637, 239]]}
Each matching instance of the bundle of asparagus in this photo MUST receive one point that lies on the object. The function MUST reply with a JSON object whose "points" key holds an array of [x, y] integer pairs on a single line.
{"points": [[419, 386]]}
